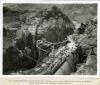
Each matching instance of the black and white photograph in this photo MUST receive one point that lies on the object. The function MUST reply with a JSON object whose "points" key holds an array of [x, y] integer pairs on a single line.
{"points": [[49, 39]]}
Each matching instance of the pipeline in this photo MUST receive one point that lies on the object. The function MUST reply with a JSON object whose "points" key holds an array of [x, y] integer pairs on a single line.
{"points": [[69, 65]]}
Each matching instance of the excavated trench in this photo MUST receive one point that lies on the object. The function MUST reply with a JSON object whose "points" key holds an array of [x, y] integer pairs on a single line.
{"points": [[63, 61]]}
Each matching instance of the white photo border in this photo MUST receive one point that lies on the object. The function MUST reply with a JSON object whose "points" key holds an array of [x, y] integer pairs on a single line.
{"points": [[51, 2]]}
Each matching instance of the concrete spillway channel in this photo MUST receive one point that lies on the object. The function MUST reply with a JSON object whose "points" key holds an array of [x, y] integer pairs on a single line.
{"points": [[68, 66]]}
